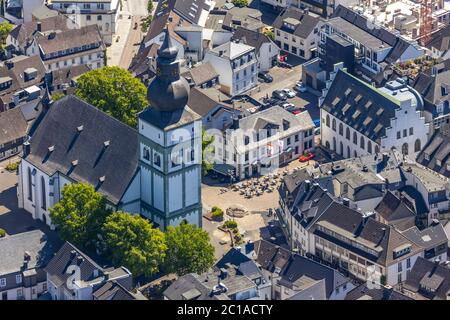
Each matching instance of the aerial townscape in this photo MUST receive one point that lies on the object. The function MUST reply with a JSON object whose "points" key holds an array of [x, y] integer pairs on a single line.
{"points": [[224, 150]]}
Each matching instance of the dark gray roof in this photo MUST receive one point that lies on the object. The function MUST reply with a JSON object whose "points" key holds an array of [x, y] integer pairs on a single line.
{"points": [[203, 73], [392, 208], [440, 40], [429, 274], [305, 22], [113, 290], [190, 10], [66, 75], [201, 103], [252, 38], [243, 264], [192, 287], [363, 292], [14, 247], [437, 150], [12, 125], [117, 162], [398, 44], [69, 255], [370, 115], [299, 266], [429, 237], [270, 256]]}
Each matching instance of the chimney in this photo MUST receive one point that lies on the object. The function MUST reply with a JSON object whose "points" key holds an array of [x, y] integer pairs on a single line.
{"points": [[80, 128], [39, 26], [79, 260], [346, 202], [307, 185], [26, 148]]}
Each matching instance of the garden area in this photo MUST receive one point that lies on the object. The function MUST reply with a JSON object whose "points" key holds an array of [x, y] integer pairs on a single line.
{"points": [[413, 67]]}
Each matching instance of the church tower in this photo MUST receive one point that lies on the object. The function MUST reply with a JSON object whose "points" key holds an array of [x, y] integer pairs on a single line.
{"points": [[170, 136]]}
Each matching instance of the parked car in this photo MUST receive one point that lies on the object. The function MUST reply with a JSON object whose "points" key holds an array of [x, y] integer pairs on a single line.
{"points": [[265, 76], [306, 156], [285, 65], [278, 94], [271, 101], [289, 93], [286, 105], [300, 86]]}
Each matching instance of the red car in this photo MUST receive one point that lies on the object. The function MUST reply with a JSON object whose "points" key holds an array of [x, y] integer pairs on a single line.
{"points": [[306, 157]]}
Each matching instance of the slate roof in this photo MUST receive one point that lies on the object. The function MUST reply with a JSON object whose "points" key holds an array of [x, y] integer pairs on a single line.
{"points": [[373, 104], [305, 23], [299, 266], [25, 32], [13, 248], [117, 162], [72, 38], [429, 237], [201, 103], [392, 208], [440, 40], [252, 38], [381, 239], [192, 286], [44, 12], [437, 150], [362, 292], [69, 255], [203, 73], [12, 125], [398, 44], [113, 290], [269, 256], [431, 86], [243, 265], [426, 273], [169, 18], [66, 75]]}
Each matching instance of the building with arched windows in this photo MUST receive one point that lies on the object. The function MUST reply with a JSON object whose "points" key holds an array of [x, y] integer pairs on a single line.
{"points": [[359, 119]]}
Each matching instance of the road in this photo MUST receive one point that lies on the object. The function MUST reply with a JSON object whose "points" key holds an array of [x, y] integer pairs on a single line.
{"points": [[127, 39]]}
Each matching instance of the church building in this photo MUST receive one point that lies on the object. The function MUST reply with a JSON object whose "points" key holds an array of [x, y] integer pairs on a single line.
{"points": [[154, 171]]}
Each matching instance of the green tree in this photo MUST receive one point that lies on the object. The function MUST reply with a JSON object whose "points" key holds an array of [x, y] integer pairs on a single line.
{"points": [[240, 3], [270, 35], [150, 7], [207, 150], [5, 29], [79, 215], [114, 91], [58, 95], [188, 250], [131, 241]]}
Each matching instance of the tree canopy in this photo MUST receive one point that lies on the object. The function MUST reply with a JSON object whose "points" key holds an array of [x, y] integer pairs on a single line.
{"points": [[207, 140], [188, 250], [240, 3], [79, 214], [114, 91], [131, 241], [5, 29]]}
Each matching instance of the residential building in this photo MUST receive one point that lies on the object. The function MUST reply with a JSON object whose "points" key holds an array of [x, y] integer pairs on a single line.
{"points": [[436, 153], [294, 277], [432, 84], [21, 82], [376, 293], [259, 143], [376, 48], [438, 43], [66, 146], [237, 66], [65, 79], [13, 131], [103, 13], [24, 257], [203, 75], [21, 38], [393, 211], [20, 11], [234, 277], [73, 47], [297, 32], [428, 280], [267, 51], [72, 275], [359, 119]]}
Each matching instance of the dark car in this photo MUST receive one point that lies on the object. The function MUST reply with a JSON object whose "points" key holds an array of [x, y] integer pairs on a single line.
{"points": [[271, 101], [280, 95], [266, 77], [285, 65]]}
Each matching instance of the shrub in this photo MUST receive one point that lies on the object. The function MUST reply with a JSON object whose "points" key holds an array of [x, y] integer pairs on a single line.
{"points": [[230, 224], [2, 233], [217, 213], [12, 166], [240, 3]]}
